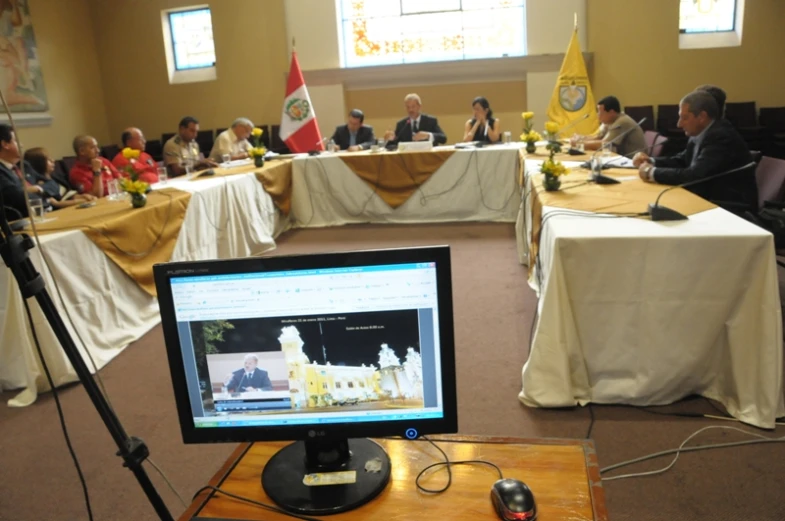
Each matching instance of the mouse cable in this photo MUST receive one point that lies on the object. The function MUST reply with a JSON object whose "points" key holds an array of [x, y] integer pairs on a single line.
{"points": [[682, 448], [265, 506], [448, 464]]}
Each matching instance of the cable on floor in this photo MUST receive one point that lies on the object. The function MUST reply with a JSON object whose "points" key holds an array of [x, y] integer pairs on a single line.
{"points": [[682, 448]]}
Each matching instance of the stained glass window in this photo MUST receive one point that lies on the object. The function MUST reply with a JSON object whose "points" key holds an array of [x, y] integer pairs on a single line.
{"points": [[381, 32], [707, 16], [192, 39]]}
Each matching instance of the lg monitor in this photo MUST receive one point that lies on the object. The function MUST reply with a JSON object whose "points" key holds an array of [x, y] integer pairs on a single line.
{"points": [[326, 350]]}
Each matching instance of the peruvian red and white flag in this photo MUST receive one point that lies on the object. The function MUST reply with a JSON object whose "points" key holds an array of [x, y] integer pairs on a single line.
{"points": [[298, 122]]}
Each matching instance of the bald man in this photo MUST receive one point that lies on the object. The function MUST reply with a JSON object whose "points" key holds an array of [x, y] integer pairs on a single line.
{"points": [[144, 166], [91, 172]]}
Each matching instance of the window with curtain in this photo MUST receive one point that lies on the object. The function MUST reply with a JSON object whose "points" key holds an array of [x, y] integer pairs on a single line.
{"points": [[387, 32], [192, 39], [707, 16]]}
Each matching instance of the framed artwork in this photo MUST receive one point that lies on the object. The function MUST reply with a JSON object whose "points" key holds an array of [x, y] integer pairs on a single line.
{"points": [[21, 79]]}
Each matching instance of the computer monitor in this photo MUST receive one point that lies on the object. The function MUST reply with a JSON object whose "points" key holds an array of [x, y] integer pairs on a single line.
{"points": [[325, 349]]}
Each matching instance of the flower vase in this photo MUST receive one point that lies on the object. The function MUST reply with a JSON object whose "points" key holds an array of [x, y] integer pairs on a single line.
{"points": [[258, 161], [551, 183], [531, 147], [138, 200]]}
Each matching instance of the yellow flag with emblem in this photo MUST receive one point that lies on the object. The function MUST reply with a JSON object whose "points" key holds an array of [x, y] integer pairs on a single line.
{"points": [[572, 103]]}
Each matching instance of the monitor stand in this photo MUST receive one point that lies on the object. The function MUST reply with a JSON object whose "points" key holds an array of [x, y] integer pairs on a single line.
{"points": [[283, 476]]}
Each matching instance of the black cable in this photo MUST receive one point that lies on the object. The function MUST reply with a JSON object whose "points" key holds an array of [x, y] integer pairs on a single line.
{"points": [[448, 464], [591, 423], [60, 415], [271, 508]]}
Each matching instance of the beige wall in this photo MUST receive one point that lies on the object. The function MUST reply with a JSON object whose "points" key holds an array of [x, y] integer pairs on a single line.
{"points": [[251, 65], [450, 103], [641, 64], [70, 69]]}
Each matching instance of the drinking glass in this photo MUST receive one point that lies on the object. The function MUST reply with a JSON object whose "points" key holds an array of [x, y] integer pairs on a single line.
{"points": [[507, 137], [37, 206], [226, 158], [112, 190], [163, 174]]}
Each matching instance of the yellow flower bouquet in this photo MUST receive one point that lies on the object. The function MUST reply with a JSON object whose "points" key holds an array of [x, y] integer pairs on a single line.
{"points": [[552, 136], [529, 136], [131, 155], [258, 151], [137, 189]]}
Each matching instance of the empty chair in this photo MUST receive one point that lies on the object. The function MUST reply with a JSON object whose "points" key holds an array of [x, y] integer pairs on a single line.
{"points": [[109, 151], [654, 143], [773, 118], [638, 113], [770, 178], [155, 149], [204, 138], [276, 143], [742, 115], [667, 119]]}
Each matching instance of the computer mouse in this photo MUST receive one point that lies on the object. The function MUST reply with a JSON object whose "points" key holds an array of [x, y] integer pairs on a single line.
{"points": [[513, 500]]}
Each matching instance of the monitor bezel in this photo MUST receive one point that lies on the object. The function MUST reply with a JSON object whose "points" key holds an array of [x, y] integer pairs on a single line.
{"points": [[440, 255]]}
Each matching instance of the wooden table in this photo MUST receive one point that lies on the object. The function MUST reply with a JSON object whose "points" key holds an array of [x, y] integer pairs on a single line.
{"points": [[563, 475]]}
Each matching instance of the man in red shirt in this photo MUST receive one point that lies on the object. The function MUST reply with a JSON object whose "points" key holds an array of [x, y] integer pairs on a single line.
{"points": [[144, 166], [90, 168]]}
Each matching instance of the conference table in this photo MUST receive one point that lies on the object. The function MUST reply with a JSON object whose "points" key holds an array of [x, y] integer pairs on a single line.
{"points": [[645, 313], [105, 292], [446, 184]]}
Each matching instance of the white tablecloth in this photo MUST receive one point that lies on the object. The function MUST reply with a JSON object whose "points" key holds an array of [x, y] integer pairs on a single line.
{"points": [[643, 313], [227, 217], [472, 185]]}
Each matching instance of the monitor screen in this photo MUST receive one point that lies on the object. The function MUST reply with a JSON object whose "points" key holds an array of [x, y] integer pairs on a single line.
{"points": [[339, 345]]}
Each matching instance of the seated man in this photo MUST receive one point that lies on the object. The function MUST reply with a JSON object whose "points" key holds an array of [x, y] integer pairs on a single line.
{"points": [[249, 378], [713, 148], [416, 126], [14, 182], [354, 135], [233, 141], [182, 150], [614, 124], [144, 166], [91, 172]]}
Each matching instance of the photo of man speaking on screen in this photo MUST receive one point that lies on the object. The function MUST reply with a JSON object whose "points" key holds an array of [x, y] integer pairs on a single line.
{"points": [[249, 378]]}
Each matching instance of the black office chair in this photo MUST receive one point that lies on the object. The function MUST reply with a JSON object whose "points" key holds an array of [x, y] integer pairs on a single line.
{"points": [[638, 113]]}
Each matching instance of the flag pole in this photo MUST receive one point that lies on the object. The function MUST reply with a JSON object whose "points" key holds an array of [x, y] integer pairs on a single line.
{"points": [[293, 40], [575, 15]]}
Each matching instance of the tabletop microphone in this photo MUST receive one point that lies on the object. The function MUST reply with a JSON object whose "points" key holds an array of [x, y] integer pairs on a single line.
{"points": [[596, 165], [663, 213], [395, 139], [574, 122], [319, 147]]}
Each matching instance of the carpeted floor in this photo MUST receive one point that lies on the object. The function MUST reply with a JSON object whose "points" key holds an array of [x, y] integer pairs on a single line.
{"points": [[493, 314]]}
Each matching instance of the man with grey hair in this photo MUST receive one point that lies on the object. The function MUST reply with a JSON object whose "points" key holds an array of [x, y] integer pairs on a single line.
{"points": [[714, 147], [249, 378], [233, 141], [416, 126]]}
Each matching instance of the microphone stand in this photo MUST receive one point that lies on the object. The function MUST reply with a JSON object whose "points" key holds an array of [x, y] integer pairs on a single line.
{"points": [[133, 451], [596, 165]]}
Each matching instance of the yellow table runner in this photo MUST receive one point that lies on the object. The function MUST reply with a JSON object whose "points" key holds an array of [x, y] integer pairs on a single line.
{"points": [[631, 196], [275, 176], [134, 238], [396, 176]]}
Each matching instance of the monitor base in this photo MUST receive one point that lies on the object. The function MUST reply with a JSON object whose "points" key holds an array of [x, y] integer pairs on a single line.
{"points": [[283, 476]]}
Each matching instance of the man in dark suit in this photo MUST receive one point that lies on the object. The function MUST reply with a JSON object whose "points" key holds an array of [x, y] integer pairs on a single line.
{"points": [[354, 135], [714, 147], [14, 183], [416, 126], [249, 378]]}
